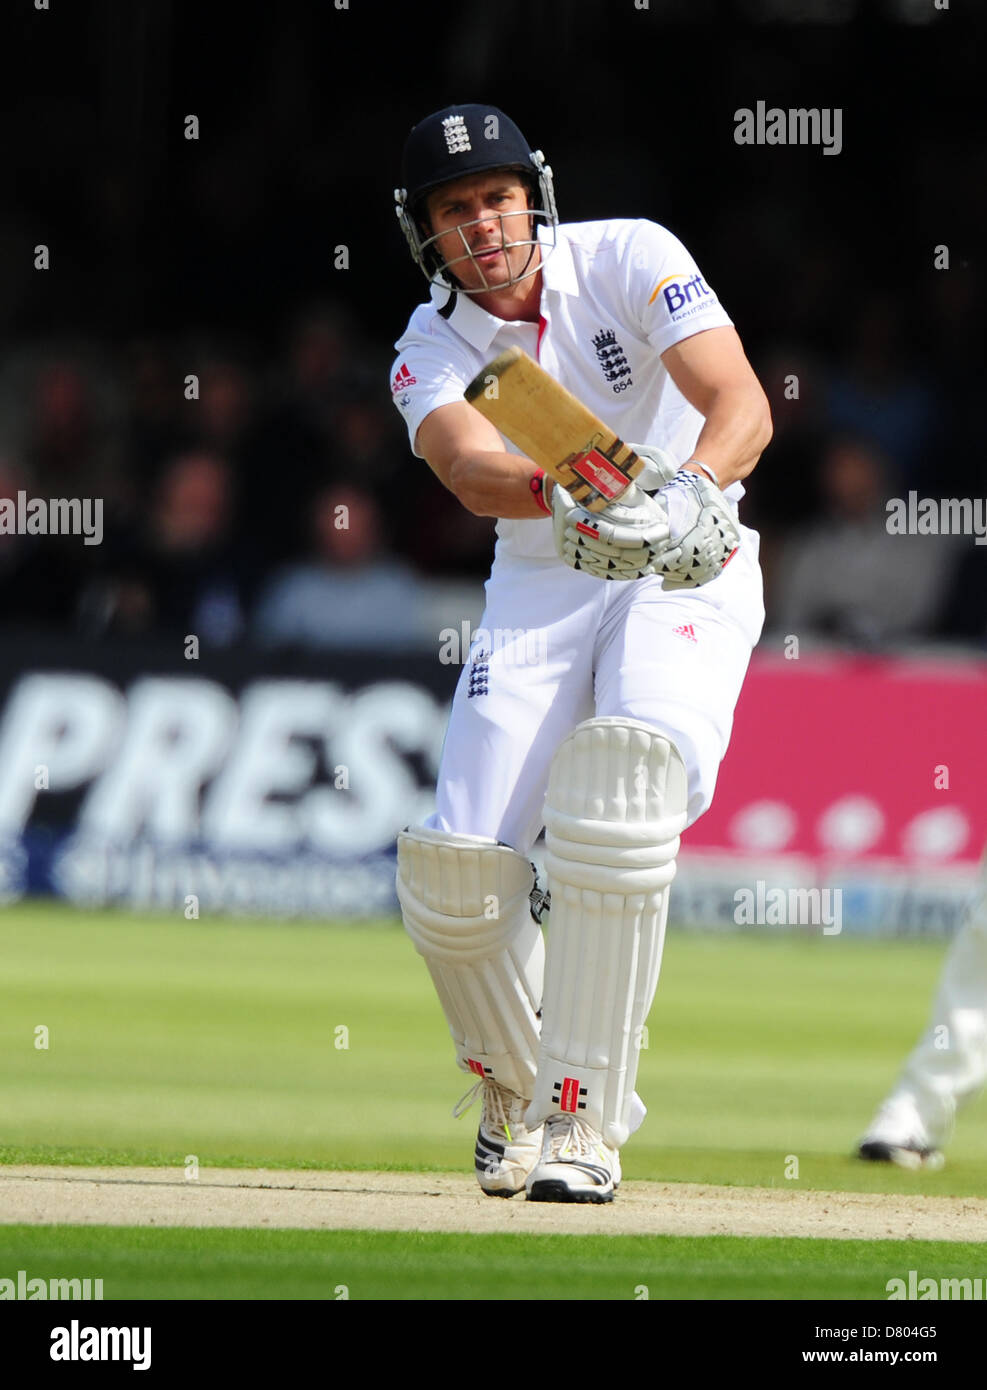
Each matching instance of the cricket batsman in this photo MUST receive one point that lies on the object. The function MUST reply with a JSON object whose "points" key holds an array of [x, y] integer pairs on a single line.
{"points": [[598, 698], [948, 1064]]}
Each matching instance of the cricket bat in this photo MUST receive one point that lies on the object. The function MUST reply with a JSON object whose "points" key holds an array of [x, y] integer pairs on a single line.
{"points": [[554, 429]]}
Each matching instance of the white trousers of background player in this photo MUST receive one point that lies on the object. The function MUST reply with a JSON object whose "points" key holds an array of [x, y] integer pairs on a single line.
{"points": [[949, 1064], [676, 661]]}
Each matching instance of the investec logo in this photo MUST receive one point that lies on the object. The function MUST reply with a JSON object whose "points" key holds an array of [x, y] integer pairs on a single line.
{"points": [[683, 292]]}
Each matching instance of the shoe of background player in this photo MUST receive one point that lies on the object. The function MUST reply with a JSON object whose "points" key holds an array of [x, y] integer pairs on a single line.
{"points": [[506, 1151], [575, 1164], [897, 1135]]}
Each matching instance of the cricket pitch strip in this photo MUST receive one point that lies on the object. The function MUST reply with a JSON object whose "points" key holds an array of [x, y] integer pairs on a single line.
{"points": [[312, 1200]]}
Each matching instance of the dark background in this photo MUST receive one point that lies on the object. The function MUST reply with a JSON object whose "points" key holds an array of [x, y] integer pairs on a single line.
{"points": [[215, 256]]}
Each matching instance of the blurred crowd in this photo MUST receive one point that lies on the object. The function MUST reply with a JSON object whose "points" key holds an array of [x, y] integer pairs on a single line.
{"points": [[244, 500], [273, 499], [888, 415]]}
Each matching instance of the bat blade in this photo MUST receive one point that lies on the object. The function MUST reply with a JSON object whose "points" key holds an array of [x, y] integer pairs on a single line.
{"points": [[554, 429]]}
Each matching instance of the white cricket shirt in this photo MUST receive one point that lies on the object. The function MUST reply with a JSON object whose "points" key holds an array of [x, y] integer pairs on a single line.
{"points": [[615, 295]]}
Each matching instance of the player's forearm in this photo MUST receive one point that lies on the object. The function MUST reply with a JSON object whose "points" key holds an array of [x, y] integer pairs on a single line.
{"points": [[737, 430], [496, 484]]}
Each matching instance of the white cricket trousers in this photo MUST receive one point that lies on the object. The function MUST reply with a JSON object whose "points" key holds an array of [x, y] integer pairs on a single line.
{"points": [[555, 647]]}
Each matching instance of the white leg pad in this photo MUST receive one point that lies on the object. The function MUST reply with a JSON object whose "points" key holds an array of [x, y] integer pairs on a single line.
{"points": [[465, 901], [615, 807]]}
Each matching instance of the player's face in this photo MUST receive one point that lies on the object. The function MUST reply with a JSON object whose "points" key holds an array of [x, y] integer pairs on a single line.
{"points": [[479, 220]]}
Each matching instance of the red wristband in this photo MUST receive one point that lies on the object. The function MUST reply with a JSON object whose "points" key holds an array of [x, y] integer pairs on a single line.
{"points": [[537, 485]]}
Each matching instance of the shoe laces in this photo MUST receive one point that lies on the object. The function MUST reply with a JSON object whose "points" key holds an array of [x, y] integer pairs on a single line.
{"points": [[501, 1107], [567, 1136]]}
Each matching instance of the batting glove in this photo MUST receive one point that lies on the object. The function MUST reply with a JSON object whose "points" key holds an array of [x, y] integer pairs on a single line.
{"points": [[703, 533], [622, 541], [660, 467]]}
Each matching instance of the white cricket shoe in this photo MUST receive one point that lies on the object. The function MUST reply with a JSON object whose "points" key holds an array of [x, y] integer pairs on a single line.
{"points": [[506, 1150], [897, 1135], [575, 1164]]}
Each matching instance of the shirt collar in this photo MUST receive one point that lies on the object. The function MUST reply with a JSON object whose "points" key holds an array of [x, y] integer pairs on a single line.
{"points": [[480, 328], [558, 267]]}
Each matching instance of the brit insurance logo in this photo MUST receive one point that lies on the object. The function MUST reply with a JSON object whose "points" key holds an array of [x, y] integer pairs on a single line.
{"points": [[684, 296], [612, 359]]}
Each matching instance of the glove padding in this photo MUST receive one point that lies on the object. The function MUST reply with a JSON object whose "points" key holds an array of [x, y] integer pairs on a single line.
{"points": [[703, 533], [660, 467], [622, 541]]}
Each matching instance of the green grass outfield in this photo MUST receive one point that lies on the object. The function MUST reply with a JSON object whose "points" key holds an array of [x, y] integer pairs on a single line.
{"points": [[139, 1262], [288, 1045]]}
